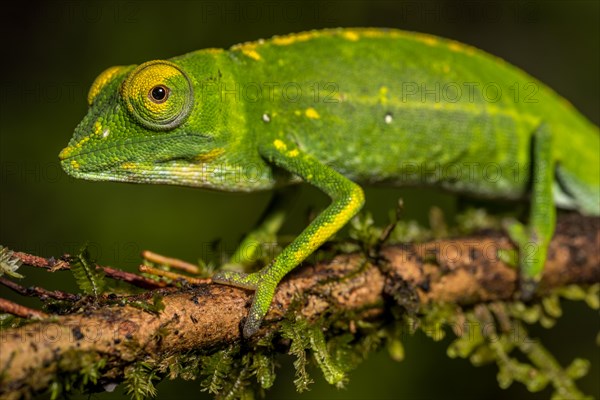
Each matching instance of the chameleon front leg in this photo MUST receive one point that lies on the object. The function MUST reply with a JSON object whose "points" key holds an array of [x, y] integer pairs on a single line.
{"points": [[347, 199], [269, 224], [533, 240]]}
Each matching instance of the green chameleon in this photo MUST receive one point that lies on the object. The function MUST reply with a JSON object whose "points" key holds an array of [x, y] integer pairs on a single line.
{"points": [[336, 108]]}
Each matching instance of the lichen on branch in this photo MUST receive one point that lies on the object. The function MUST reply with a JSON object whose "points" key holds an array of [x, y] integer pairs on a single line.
{"points": [[343, 304]]}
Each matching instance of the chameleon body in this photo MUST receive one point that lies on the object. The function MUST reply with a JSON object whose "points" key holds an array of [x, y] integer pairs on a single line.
{"points": [[338, 108]]}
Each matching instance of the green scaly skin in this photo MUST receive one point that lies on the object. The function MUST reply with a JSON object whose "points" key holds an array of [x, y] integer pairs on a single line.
{"points": [[338, 108]]}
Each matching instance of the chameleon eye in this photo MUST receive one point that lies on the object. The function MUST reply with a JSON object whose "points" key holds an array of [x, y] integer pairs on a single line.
{"points": [[158, 94]]}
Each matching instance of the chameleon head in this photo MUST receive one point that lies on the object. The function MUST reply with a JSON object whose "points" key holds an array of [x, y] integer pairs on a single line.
{"points": [[140, 128]]}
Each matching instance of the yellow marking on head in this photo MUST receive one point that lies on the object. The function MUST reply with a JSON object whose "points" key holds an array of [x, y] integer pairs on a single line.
{"points": [[351, 35], [97, 127], [75, 164], [279, 145], [209, 156], [293, 153], [82, 142], [102, 79], [312, 113], [66, 152]]}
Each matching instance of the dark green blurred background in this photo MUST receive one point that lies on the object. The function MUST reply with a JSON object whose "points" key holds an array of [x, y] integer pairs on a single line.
{"points": [[53, 51]]}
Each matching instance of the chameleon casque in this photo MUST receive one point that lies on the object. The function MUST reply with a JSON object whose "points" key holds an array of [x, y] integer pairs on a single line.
{"points": [[338, 108]]}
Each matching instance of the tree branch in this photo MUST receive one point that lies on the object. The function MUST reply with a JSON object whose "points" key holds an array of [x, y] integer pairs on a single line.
{"points": [[19, 310], [207, 316]]}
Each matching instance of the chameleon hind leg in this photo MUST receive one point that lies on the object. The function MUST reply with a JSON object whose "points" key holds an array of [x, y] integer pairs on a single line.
{"points": [[347, 199], [533, 240], [251, 246]]}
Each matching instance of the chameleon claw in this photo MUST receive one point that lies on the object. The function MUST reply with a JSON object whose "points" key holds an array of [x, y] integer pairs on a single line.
{"points": [[524, 257], [258, 310]]}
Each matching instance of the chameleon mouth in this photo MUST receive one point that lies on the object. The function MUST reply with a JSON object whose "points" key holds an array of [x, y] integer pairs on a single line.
{"points": [[74, 163], [114, 161], [72, 151]]}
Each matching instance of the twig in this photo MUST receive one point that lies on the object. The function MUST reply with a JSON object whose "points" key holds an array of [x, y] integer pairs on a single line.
{"points": [[53, 265], [171, 262], [39, 292], [134, 279], [41, 262], [20, 311], [172, 275]]}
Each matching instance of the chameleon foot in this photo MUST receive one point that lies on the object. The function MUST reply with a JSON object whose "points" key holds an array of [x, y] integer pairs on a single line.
{"points": [[529, 257], [265, 289]]}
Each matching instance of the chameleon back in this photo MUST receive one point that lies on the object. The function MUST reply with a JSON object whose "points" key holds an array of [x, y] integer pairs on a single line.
{"points": [[391, 107]]}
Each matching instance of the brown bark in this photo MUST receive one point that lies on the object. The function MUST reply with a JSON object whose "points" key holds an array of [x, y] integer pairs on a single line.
{"points": [[464, 271]]}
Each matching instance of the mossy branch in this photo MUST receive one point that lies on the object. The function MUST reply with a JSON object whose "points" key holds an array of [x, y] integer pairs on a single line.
{"points": [[120, 338]]}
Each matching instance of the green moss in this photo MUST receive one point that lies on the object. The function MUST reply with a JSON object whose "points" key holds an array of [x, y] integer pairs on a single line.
{"points": [[76, 370], [9, 264], [500, 337], [88, 278], [139, 380], [9, 321], [216, 369]]}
